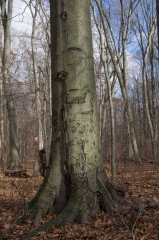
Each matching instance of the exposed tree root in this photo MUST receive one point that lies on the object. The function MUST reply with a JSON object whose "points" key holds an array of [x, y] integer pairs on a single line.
{"points": [[68, 215], [35, 210], [38, 206], [83, 204], [73, 212]]}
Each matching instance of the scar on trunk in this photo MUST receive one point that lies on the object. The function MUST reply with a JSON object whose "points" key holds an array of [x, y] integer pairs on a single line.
{"points": [[42, 162]]}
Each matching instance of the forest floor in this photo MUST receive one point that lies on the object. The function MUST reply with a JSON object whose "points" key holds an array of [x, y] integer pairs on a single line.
{"points": [[139, 184]]}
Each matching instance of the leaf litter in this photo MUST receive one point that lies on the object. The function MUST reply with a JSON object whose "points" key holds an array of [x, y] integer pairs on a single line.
{"points": [[139, 184]]}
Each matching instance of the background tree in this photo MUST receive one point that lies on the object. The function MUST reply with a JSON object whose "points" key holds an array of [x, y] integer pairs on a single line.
{"points": [[6, 14], [157, 11], [25, 90], [111, 107], [42, 151], [119, 65], [124, 59], [2, 142], [145, 34]]}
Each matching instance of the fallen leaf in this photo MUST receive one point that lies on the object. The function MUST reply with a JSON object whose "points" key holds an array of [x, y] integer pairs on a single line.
{"points": [[6, 226]]}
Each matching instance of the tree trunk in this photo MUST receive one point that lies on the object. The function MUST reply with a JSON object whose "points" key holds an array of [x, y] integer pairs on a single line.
{"points": [[147, 51], [1, 101], [42, 151], [157, 12], [154, 102], [6, 11], [76, 186], [111, 107], [145, 93]]}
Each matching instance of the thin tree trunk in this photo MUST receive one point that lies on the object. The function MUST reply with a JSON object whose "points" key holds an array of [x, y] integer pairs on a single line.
{"points": [[146, 50], [124, 34], [42, 151], [122, 86], [6, 11], [157, 12], [111, 107], [150, 123], [154, 102], [46, 30], [1, 101]]}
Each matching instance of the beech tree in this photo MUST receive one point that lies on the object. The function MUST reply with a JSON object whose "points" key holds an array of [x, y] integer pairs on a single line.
{"points": [[75, 186]]}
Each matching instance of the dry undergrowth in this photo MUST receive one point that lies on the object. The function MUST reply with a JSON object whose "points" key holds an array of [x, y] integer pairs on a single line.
{"points": [[140, 184]]}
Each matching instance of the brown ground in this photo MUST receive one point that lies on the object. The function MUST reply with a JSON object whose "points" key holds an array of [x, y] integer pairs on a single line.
{"points": [[140, 184]]}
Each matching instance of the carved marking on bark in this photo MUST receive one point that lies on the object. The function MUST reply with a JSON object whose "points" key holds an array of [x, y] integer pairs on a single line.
{"points": [[82, 130], [80, 99], [87, 112], [78, 124], [60, 76], [73, 129], [91, 129], [74, 49], [64, 16], [76, 89]]}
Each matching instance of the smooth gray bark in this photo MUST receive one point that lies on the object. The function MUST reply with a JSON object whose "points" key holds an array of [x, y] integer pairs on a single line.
{"points": [[76, 186]]}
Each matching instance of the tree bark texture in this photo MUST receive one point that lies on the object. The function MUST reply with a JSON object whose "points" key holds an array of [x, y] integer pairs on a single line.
{"points": [[76, 186]]}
